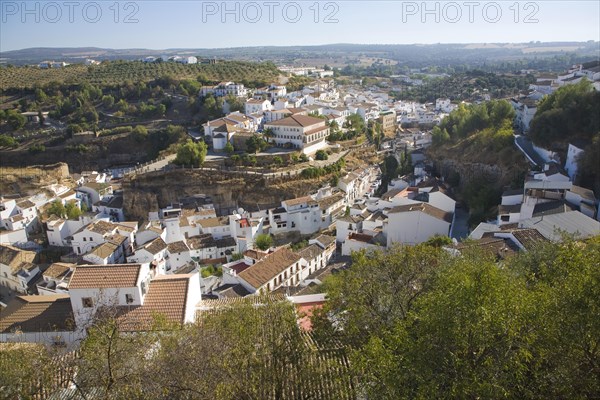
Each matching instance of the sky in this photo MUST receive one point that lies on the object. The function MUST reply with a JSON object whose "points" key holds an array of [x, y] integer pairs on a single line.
{"points": [[164, 24]]}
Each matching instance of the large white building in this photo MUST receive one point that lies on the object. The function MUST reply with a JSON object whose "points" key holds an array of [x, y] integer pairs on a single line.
{"points": [[225, 89], [300, 132]]}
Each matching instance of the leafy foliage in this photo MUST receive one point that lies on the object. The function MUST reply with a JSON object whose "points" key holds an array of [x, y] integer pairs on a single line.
{"points": [[191, 154], [111, 73], [263, 241], [432, 325], [568, 114]]}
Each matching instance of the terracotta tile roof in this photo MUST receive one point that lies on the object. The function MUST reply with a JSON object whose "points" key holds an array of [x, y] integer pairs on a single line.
{"points": [[58, 270], [297, 120], [177, 247], [529, 238], [167, 296], [298, 201], [239, 267], [213, 222], [391, 194], [203, 241], [325, 240], [269, 267], [226, 241], [105, 276], [25, 204], [155, 245], [128, 226], [424, 208], [361, 237], [499, 247], [104, 250], [329, 201], [101, 227], [310, 252], [255, 254], [15, 258], [319, 129], [231, 291], [38, 314], [116, 239]]}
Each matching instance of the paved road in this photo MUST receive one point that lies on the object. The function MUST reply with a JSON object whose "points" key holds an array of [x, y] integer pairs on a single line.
{"points": [[461, 226], [157, 164], [524, 144]]}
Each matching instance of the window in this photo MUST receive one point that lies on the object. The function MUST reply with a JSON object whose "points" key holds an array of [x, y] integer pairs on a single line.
{"points": [[84, 239], [87, 302], [143, 288], [128, 299]]}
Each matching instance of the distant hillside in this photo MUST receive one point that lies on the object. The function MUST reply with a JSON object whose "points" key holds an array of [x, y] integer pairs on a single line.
{"points": [[411, 54], [117, 72]]}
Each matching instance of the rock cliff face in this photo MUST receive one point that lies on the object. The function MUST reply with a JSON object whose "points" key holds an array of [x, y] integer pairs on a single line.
{"points": [[29, 180], [499, 169], [148, 192]]}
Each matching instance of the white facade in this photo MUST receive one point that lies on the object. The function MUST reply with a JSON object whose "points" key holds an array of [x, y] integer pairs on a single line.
{"points": [[257, 106], [414, 227], [300, 132], [86, 301], [571, 166]]}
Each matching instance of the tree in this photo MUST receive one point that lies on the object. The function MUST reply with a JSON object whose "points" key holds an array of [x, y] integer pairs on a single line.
{"points": [[229, 148], [277, 160], [263, 241], [15, 119], [321, 155], [396, 279], [139, 133], [72, 211], [7, 141], [56, 208], [255, 143], [108, 101], [235, 103], [19, 363], [191, 154]]}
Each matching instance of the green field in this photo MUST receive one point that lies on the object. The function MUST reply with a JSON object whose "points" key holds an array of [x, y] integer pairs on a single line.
{"points": [[117, 72]]}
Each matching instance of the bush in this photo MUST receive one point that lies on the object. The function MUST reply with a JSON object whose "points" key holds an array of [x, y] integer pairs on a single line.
{"points": [[37, 148], [263, 241], [321, 155], [8, 141]]}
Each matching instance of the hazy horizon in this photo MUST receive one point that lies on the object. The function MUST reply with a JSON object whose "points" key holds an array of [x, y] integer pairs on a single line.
{"points": [[215, 25]]}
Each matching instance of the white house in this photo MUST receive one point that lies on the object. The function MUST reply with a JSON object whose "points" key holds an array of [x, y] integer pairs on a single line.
{"points": [[416, 223], [45, 319], [99, 232], [225, 89], [153, 252], [245, 229], [300, 132], [59, 231], [178, 256], [93, 286], [280, 268], [55, 279], [257, 106], [17, 269], [216, 226], [110, 252], [134, 289], [301, 214]]}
